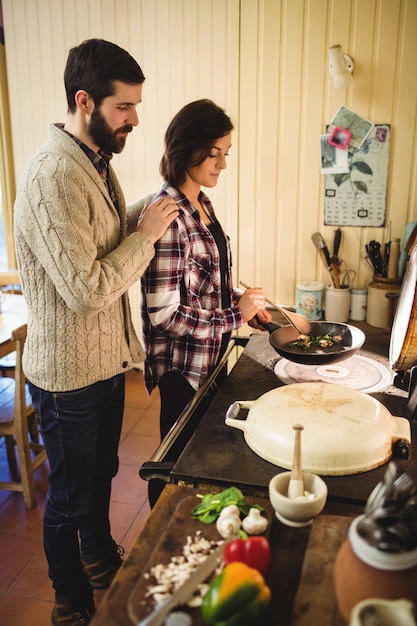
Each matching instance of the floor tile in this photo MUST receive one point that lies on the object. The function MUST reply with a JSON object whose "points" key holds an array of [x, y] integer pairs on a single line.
{"points": [[26, 594]]}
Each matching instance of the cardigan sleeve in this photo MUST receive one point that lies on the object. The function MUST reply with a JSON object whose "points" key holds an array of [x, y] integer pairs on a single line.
{"points": [[67, 219]]}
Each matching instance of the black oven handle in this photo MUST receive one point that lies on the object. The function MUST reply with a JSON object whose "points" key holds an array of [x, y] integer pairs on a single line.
{"points": [[158, 465]]}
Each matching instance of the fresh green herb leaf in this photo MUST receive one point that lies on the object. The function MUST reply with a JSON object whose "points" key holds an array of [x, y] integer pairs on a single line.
{"points": [[211, 505]]}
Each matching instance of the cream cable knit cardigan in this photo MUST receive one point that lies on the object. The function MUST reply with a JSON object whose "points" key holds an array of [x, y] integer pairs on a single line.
{"points": [[76, 263]]}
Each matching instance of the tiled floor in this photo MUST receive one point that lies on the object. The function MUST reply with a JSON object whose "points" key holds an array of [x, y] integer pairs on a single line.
{"points": [[26, 595]]}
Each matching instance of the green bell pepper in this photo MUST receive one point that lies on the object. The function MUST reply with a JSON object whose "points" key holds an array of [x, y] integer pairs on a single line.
{"points": [[238, 596]]}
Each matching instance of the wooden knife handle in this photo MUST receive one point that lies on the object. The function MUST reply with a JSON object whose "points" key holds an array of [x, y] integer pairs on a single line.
{"points": [[394, 253]]}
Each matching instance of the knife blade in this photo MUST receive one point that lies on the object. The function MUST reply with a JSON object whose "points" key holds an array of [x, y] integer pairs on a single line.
{"points": [[203, 571]]}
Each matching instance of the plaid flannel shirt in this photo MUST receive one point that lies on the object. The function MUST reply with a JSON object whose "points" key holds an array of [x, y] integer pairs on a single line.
{"points": [[182, 318]]}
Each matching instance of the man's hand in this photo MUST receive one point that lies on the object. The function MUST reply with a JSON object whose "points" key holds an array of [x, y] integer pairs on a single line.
{"points": [[155, 219]]}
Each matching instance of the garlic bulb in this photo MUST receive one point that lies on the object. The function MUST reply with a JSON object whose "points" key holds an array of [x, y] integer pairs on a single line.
{"points": [[254, 523]]}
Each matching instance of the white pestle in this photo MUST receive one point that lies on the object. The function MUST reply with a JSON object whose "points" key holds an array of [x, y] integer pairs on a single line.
{"points": [[296, 484]]}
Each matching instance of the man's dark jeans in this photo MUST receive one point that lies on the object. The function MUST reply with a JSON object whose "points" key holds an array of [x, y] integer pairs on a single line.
{"points": [[81, 431]]}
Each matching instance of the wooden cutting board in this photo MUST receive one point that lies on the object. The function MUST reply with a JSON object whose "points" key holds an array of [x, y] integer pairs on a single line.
{"points": [[180, 526]]}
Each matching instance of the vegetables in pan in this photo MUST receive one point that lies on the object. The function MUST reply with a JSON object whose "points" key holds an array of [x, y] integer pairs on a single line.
{"points": [[238, 596], [319, 341]]}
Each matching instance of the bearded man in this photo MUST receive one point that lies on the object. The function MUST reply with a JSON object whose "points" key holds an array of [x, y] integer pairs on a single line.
{"points": [[79, 250]]}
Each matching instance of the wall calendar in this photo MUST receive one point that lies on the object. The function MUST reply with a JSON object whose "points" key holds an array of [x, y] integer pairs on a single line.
{"points": [[355, 193]]}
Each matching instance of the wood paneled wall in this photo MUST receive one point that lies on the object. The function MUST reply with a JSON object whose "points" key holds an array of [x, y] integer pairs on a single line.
{"points": [[265, 62]]}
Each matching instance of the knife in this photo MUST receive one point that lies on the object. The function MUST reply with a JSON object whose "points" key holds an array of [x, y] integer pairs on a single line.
{"points": [[321, 246], [336, 242], [203, 571]]}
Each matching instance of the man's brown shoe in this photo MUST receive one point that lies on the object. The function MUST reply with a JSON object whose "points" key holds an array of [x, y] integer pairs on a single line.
{"points": [[67, 614], [101, 573]]}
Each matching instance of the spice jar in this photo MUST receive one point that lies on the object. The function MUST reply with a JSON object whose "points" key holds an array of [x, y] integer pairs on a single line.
{"points": [[378, 305], [358, 303]]}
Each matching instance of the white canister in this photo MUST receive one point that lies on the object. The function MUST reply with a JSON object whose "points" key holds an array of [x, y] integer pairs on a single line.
{"points": [[337, 305], [358, 303], [309, 299]]}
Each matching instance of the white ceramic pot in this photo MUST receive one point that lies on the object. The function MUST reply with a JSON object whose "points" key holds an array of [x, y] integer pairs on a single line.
{"points": [[299, 511]]}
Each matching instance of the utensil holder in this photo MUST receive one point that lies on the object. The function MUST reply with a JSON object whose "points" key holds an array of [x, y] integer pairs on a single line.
{"points": [[362, 571]]}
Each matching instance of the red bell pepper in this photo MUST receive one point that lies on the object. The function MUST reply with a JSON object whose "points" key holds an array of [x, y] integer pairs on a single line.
{"points": [[254, 551]]}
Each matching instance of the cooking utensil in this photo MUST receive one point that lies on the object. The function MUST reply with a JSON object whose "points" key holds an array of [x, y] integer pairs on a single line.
{"points": [[345, 431], [296, 484], [347, 276], [203, 571], [300, 323], [373, 249], [352, 339], [334, 259], [324, 253], [336, 242], [408, 241], [394, 253]]}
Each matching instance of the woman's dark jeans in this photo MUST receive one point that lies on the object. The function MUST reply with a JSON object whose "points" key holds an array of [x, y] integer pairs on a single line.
{"points": [[81, 432]]}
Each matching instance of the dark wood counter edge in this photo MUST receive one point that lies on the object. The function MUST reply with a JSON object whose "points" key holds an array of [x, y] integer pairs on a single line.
{"points": [[113, 610]]}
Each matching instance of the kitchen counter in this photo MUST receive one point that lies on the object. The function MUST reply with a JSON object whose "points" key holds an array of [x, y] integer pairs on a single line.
{"points": [[301, 577], [218, 454]]}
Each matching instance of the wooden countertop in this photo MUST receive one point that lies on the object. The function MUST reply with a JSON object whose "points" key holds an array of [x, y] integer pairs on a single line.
{"points": [[300, 577]]}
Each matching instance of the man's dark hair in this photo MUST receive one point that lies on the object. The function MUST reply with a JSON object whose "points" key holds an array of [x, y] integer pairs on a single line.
{"points": [[190, 137], [94, 65]]}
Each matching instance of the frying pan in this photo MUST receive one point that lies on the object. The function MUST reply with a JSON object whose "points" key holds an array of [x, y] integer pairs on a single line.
{"points": [[352, 339]]}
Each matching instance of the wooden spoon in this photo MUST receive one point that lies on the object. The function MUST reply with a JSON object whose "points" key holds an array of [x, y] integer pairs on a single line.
{"points": [[301, 324], [296, 484]]}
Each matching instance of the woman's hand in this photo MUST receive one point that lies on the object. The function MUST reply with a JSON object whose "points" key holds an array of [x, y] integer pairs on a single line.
{"points": [[251, 303], [262, 318]]}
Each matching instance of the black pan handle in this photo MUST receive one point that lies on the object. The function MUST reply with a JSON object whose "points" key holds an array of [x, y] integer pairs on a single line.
{"points": [[270, 326]]}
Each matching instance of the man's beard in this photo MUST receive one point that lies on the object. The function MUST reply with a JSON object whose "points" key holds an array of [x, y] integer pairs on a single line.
{"points": [[103, 136]]}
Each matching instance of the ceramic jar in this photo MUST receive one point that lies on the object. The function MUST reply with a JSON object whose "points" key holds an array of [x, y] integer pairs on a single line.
{"points": [[358, 302], [362, 571], [379, 311], [337, 305], [309, 295]]}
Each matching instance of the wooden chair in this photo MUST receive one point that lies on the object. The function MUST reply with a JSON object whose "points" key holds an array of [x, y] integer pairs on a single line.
{"points": [[16, 411], [10, 283]]}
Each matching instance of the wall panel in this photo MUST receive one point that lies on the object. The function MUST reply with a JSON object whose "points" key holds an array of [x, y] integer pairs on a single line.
{"points": [[265, 61]]}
